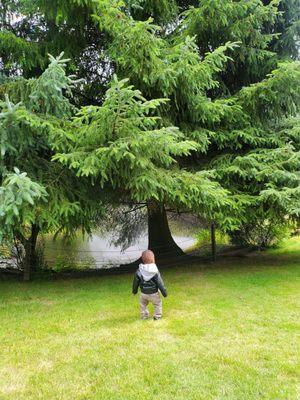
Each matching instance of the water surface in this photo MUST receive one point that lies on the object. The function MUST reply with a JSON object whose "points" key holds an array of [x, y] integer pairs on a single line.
{"points": [[98, 251]]}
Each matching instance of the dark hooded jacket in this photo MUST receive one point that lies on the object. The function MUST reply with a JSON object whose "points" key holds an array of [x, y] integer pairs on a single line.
{"points": [[148, 278]]}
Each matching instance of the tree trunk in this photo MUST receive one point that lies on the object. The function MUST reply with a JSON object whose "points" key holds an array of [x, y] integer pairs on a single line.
{"points": [[213, 241], [160, 240], [30, 246]]}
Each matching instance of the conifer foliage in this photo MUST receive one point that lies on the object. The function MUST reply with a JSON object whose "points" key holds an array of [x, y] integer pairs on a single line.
{"points": [[202, 65], [43, 196], [123, 144], [197, 110]]}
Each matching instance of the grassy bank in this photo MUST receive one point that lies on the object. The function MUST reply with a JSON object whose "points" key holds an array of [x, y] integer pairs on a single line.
{"points": [[230, 331]]}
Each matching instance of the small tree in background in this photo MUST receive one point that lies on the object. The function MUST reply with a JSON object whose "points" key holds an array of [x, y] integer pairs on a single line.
{"points": [[46, 197]]}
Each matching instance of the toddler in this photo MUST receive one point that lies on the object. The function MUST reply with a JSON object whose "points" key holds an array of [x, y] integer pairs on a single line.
{"points": [[148, 278]]}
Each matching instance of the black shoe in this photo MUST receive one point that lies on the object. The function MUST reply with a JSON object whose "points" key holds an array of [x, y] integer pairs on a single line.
{"points": [[156, 318]]}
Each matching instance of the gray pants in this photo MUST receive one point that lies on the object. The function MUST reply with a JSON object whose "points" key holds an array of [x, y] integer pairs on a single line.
{"points": [[155, 299]]}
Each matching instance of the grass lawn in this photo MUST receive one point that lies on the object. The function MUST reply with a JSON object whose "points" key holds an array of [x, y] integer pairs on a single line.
{"points": [[230, 331]]}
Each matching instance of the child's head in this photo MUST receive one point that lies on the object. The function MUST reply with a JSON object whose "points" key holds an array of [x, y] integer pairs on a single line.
{"points": [[148, 257]]}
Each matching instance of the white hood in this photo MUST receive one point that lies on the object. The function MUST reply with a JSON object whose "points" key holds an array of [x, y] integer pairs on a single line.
{"points": [[148, 271]]}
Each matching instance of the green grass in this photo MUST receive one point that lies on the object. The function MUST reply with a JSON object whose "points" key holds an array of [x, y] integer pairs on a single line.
{"points": [[230, 331], [289, 247]]}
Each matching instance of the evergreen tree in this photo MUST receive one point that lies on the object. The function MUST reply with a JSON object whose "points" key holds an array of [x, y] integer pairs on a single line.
{"points": [[31, 29], [124, 146], [226, 68], [236, 128], [45, 197]]}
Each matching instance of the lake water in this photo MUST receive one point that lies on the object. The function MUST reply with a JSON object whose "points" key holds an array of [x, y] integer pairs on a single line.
{"points": [[98, 251]]}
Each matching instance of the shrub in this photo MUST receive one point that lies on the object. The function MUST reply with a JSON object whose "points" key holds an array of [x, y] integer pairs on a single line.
{"points": [[261, 233]]}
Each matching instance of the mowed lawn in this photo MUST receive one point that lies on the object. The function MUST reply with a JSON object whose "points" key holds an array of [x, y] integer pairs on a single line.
{"points": [[230, 331]]}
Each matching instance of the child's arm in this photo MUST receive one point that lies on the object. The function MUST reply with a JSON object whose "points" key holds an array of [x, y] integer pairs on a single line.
{"points": [[135, 284], [161, 286]]}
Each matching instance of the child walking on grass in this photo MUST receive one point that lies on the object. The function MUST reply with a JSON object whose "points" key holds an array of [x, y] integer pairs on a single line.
{"points": [[148, 278]]}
